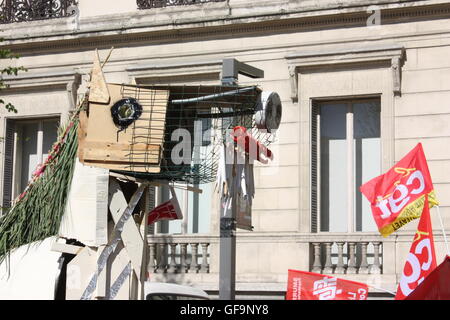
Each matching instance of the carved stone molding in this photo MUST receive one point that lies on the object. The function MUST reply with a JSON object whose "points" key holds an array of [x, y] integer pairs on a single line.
{"points": [[68, 80], [390, 56], [163, 73], [149, 4], [218, 20]]}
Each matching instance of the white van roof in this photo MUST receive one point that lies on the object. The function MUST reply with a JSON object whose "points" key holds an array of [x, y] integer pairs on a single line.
{"points": [[162, 288]]}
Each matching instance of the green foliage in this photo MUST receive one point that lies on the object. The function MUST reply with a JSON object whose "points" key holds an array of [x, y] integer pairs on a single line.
{"points": [[7, 54], [38, 211]]}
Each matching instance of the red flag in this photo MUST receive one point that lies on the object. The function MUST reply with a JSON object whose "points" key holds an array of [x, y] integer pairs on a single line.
{"points": [[436, 286], [397, 197], [169, 210], [421, 259], [313, 286]]}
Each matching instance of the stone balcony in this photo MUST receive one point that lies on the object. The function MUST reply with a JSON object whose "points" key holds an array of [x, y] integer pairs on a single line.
{"points": [[262, 264]]}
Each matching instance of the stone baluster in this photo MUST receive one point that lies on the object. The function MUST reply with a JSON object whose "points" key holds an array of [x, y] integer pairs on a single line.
{"points": [[183, 253], [152, 258], [317, 264], [205, 266], [364, 267], [328, 265], [375, 268], [173, 264], [351, 268], [162, 258], [194, 262], [340, 267]]}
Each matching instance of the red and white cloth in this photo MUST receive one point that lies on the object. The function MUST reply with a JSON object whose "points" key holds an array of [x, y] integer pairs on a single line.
{"points": [[169, 210], [421, 260], [304, 285]]}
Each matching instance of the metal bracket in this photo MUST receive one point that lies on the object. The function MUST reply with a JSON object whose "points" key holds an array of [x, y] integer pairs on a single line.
{"points": [[231, 68]]}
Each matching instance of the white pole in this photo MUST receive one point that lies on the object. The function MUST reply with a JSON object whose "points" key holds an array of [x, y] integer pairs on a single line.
{"points": [[443, 229]]}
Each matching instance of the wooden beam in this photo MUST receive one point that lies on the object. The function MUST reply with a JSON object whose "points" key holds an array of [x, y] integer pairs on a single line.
{"points": [[66, 248], [131, 237]]}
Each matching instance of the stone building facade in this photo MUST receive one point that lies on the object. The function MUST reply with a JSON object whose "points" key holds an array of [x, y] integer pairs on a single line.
{"points": [[361, 82]]}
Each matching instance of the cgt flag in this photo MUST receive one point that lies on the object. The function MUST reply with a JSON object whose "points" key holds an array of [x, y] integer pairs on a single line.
{"points": [[169, 210], [421, 259], [313, 286], [436, 286], [397, 197]]}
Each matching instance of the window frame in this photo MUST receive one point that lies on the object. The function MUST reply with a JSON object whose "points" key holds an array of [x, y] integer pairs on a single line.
{"points": [[14, 168], [316, 159]]}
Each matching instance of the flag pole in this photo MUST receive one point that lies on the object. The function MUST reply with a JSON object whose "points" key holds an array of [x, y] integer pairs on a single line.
{"points": [[443, 229]]}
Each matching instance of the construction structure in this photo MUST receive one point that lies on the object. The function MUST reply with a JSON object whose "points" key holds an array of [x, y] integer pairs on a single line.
{"points": [[338, 66], [124, 141]]}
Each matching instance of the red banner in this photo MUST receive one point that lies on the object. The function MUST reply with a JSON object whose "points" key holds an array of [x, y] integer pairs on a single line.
{"points": [[313, 286], [397, 197], [421, 260], [169, 210], [436, 286]]}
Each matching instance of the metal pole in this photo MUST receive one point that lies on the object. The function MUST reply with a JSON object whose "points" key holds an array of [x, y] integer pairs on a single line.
{"points": [[227, 272], [443, 230], [227, 282]]}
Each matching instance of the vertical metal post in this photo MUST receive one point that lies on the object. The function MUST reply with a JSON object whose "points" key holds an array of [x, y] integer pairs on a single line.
{"points": [[231, 68], [227, 271]]}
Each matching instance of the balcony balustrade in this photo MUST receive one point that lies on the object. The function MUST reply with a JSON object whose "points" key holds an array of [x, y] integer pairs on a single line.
{"points": [[350, 257], [330, 253], [30, 10], [172, 254]]}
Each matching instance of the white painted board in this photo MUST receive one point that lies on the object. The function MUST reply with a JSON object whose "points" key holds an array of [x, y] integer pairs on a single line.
{"points": [[86, 214]]}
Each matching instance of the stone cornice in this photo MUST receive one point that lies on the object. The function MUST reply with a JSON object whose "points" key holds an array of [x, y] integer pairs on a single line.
{"points": [[67, 80], [121, 31], [391, 55]]}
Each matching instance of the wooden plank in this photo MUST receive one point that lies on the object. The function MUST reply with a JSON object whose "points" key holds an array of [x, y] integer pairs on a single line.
{"points": [[144, 168], [116, 263], [82, 132], [98, 90], [131, 237], [121, 153], [102, 128], [146, 134], [79, 273], [101, 289], [121, 146], [66, 248]]}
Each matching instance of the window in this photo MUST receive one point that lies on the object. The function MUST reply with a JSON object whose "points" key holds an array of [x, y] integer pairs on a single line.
{"points": [[27, 144], [346, 153]]}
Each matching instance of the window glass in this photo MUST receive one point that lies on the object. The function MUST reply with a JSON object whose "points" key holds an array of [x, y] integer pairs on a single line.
{"points": [[34, 140], [334, 177], [27, 141], [367, 158], [333, 164], [50, 135]]}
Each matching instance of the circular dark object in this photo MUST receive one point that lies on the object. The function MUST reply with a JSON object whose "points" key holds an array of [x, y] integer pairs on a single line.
{"points": [[125, 111]]}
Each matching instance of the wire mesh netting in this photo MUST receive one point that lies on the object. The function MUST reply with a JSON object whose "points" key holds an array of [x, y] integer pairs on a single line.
{"points": [[193, 128]]}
